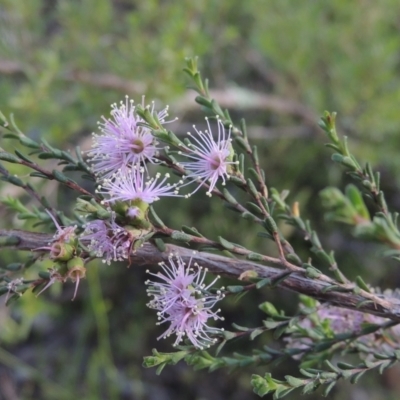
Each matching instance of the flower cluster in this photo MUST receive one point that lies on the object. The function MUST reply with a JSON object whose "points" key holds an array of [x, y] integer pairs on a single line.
{"points": [[335, 321], [63, 251], [185, 302], [125, 145], [119, 159]]}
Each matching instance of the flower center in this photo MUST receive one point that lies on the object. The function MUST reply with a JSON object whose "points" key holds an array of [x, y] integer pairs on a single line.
{"points": [[137, 146], [215, 162]]}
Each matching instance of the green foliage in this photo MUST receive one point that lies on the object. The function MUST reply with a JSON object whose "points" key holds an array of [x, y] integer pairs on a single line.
{"points": [[315, 378]]}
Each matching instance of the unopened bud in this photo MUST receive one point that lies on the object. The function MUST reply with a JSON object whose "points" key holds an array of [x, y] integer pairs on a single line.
{"points": [[295, 209], [61, 251], [76, 271]]}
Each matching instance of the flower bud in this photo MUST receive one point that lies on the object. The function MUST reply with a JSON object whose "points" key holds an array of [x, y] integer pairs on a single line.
{"points": [[61, 251], [76, 271]]}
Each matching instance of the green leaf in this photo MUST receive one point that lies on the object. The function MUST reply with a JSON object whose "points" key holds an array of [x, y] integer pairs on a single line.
{"points": [[360, 283], [270, 225], [254, 208], [309, 388], [240, 328], [191, 231], [7, 241], [343, 365], [4, 156], [354, 379], [385, 365], [226, 244], [59, 176], [309, 373], [313, 273], [323, 345], [160, 368], [336, 157], [203, 101], [181, 236], [268, 308], [332, 367], [329, 388], [279, 331], [13, 180], [235, 288], [295, 382], [156, 219], [14, 266], [44, 274], [282, 391], [271, 324], [255, 257], [263, 282], [243, 144], [263, 386], [3, 290], [160, 244], [355, 196], [276, 280], [256, 332], [368, 328], [40, 175]]}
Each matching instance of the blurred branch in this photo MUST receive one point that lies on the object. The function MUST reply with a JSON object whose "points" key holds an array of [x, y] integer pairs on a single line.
{"points": [[149, 255], [258, 62], [236, 97], [230, 97], [253, 131], [8, 67], [101, 80], [8, 387], [106, 81], [35, 374]]}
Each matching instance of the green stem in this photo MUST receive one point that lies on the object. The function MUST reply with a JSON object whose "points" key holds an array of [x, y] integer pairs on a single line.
{"points": [[54, 390], [104, 354]]}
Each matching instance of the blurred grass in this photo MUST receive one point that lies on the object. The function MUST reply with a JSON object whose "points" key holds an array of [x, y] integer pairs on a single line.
{"points": [[61, 65]]}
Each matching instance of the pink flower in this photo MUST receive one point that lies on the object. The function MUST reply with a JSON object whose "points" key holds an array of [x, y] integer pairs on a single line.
{"points": [[122, 142], [184, 301], [210, 158], [107, 240], [328, 321], [135, 185]]}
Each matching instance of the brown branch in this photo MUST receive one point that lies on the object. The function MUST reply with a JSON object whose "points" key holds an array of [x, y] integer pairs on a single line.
{"points": [[149, 255], [26, 240]]}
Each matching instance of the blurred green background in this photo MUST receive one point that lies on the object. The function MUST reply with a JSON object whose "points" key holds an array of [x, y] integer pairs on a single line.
{"points": [[279, 64]]}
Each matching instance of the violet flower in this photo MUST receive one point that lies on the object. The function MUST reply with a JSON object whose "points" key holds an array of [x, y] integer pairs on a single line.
{"points": [[107, 240], [184, 301], [135, 186], [122, 142], [340, 321], [210, 158]]}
